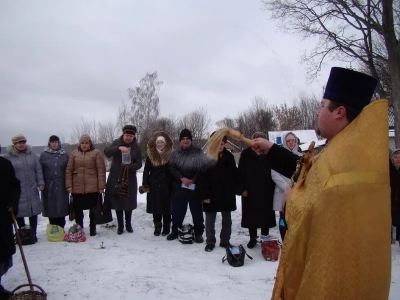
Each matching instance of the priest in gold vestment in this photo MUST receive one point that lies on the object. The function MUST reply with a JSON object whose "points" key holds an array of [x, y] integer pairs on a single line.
{"points": [[337, 245]]}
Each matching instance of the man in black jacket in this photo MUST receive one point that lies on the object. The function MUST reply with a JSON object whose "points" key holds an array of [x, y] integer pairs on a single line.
{"points": [[185, 164], [10, 191]]}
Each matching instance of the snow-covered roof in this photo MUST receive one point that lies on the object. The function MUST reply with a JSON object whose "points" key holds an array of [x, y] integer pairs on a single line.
{"points": [[318, 143], [305, 136]]}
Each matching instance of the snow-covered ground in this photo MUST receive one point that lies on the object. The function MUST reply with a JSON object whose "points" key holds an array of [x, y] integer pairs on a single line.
{"points": [[139, 265]]}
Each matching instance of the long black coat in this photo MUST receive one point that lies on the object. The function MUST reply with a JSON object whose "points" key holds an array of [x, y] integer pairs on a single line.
{"points": [[130, 203], [157, 177], [219, 184], [10, 191], [255, 177]]}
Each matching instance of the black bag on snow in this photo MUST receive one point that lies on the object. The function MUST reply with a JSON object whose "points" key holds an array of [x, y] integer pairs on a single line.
{"points": [[186, 234], [27, 235], [102, 212], [235, 256]]}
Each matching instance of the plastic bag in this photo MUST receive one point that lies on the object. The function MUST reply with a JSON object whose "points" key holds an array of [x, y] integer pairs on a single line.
{"points": [[54, 233]]}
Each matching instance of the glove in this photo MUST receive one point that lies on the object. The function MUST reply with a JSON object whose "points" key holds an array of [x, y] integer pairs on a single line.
{"points": [[143, 189]]}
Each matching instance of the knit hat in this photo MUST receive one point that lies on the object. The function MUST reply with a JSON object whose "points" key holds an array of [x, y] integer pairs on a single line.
{"points": [[350, 88], [54, 138], [258, 134], [130, 129], [160, 138], [18, 138], [185, 133], [85, 138]]}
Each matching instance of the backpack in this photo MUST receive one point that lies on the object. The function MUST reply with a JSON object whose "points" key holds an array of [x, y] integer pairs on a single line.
{"points": [[186, 234], [235, 256], [270, 248]]}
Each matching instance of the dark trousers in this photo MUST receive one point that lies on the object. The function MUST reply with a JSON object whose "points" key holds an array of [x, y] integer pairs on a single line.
{"points": [[79, 218], [57, 221], [158, 218], [282, 225], [32, 222], [179, 208], [120, 217], [253, 232], [226, 229]]}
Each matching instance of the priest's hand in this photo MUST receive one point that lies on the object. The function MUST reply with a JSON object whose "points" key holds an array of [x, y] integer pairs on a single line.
{"points": [[245, 194], [207, 201], [262, 143]]}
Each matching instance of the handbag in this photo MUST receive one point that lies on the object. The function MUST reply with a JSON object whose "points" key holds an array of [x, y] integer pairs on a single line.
{"points": [[27, 235], [71, 212], [235, 256], [102, 212], [121, 189]]}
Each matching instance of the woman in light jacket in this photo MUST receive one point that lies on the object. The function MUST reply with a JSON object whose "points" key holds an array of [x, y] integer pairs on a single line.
{"points": [[29, 172], [55, 195], [126, 143], [85, 179]]}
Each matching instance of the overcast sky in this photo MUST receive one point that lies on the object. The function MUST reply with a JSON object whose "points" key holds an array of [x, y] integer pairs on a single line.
{"points": [[61, 60]]}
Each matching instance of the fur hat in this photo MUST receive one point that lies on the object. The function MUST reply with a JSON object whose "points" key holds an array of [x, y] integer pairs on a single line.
{"points": [[18, 138], [130, 129], [185, 133], [160, 138], [258, 134], [54, 138], [350, 88], [85, 138]]}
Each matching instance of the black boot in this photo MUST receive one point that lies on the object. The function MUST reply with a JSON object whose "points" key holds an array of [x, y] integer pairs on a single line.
{"points": [[120, 219], [166, 225], [157, 228], [128, 221]]}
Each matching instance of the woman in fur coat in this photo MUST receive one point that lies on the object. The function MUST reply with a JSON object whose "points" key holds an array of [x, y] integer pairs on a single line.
{"points": [[157, 181]]}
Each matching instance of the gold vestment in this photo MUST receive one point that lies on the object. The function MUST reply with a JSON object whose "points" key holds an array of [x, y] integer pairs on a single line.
{"points": [[338, 241]]}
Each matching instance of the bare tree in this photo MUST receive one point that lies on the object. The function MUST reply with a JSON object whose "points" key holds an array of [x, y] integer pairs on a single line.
{"points": [[145, 102], [259, 117], [349, 31], [226, 122], [288, 117], [198, 122], [308, 106], [85, 127], [106, 133], [124, 115]]}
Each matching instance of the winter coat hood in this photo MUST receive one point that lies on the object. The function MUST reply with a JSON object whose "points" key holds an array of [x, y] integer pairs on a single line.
{"points": [[296, 146], [159, 158], [14, 152]]}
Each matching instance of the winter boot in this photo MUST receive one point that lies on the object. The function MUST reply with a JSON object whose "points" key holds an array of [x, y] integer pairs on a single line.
{"points": [[251, 244], [157, 228], [128, 220], [120, 219], [166, 228], [172, 236]]}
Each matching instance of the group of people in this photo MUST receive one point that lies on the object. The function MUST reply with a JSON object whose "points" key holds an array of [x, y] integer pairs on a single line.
{"points": [[334, 214]]}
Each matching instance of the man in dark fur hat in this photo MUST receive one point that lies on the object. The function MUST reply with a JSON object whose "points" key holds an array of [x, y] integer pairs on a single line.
{"points": [[185, 164], [338, 214]]}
